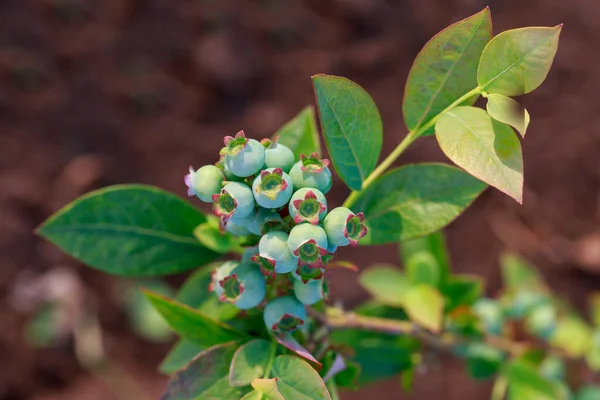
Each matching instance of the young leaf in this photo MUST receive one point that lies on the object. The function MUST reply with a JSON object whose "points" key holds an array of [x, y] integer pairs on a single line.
{"points": [[434, 244], [422, 267], [572, 335], [206, 377], [517, 61], [487, 149], [508, 111], [461, 290], [386, 284], [249, 362], [445, 69], [483, 361], [300, 134], [191, 324], [351, 127], [212, 238], [254, 395], [414, 200], [179, 356], [130, 230], [267, 388], [296, 379], [524, 382], [425, 306]]}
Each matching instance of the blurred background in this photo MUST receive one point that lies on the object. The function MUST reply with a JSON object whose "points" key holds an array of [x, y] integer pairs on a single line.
{"points": [[99, 92]]}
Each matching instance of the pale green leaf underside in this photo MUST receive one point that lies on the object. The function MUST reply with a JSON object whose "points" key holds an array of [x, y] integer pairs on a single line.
{"points": [[425, 306], [351, 127], [300, 134], [415, 200], [385, 283], [297, 380], [517, 61], [445, 69], [509, 111], [130, 230], [487, 149]]}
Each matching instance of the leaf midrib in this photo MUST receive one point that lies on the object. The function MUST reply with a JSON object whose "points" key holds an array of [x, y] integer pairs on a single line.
{"points": [[120, 229]]}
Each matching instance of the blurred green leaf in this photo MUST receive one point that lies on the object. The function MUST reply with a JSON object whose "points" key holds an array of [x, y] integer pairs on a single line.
{"points": [[130, 230], [249, 362], [300, 134], [541, 320], [525, 382], [385, 283], [487, 149], [518, 273], [180, 355], [508, 111], [191, 324], [423, 268], [425, 306], [43, 329], [206, 377], [462, 290], [553, 367], [145, 319], [434, 244], [517, 61], [414, 200], [445, 69], [573, 335], [593, 356], [351, 127], [483, 361], [588, 392], [491, 315], [594, 308], [254, 395], [211, 237]]}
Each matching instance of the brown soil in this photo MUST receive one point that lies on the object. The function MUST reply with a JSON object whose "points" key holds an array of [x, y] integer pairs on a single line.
{"points": [[102, 92]]}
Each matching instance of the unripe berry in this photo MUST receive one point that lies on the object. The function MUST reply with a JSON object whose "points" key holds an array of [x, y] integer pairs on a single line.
{"points": [[243, 157], [278, 155], [308, 205], [249, 252], [311, 172], [264, 217], [308, 243], [309, 293], [234, 201], [204, 183], [491, 315], [284, 314], [343, 227], [541, 320], [236, 227], [240, 284], [272, 188], [273, 254]]}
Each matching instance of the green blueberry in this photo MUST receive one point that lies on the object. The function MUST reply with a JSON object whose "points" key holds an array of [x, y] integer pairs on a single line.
{"points": [[243, 157], [343, 227], [273, 254], [204, 183], [491, 315], [249, 252], [236, 227], [278, 155], [234, 201], [308, 205], [308, 243], [243, 285], [284, 314], [272, 188], [311, 172], [310, 292], [264, 217]]}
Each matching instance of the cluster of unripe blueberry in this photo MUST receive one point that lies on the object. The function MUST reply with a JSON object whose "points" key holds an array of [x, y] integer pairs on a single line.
{"points": [[259, 189]]}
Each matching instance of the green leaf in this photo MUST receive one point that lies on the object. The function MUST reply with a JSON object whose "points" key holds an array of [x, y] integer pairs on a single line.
{"points": [[434, 244], [211, 237], [145, 320], [351, 127], [445, 69], [525, 382], [573, 335], [593, 356], [483, 361], [180, 355], [254, 395], [249, 362], [301, 134], [508, 111], [296, 379], [267, 388], [425, 306], [195, 293], [594, 307], [414, 200], [588, 392], [191, 324], [130, 230], [517, 61], [517, 273], [461, 290], [385, 283], [206, 377], [423, 268], [487, 149], [43, 329]]}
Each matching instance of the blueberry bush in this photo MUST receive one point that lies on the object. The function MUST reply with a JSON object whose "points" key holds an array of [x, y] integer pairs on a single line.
{"points": [[254, 318]]}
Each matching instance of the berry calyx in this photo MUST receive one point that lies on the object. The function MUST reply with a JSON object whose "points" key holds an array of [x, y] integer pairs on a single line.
{"points": [[243, 157], [273, 254], [234, 201], [311, 172], [343, 227], [306, 274], [308, 243], [272, 188], [284, 314], [240, 284], [308, 205]]}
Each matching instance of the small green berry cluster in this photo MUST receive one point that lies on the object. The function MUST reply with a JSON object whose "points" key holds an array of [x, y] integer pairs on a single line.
{"points": [[260, 191]]}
